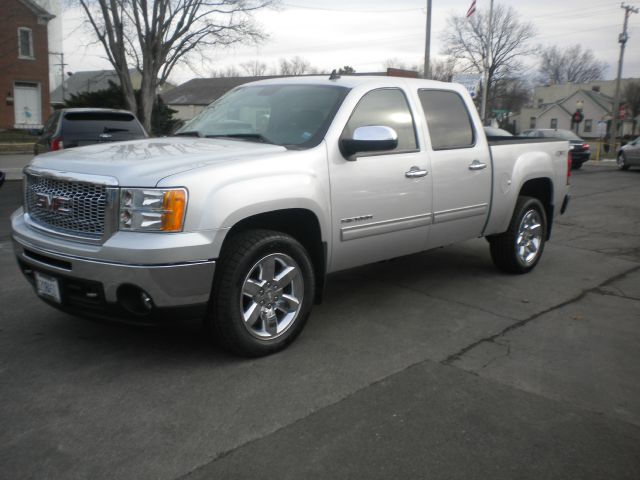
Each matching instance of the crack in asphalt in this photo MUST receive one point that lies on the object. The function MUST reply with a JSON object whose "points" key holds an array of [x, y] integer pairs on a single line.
{"points": [[590, 231], [617, 295], [446, 362], [492, 338]]}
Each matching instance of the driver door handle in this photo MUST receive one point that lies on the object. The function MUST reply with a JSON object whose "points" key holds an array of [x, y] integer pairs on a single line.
{"points": [[415, 172], [477, 165]]}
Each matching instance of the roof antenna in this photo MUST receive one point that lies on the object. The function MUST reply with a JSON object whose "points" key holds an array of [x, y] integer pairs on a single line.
{"points": [[334, 75]]}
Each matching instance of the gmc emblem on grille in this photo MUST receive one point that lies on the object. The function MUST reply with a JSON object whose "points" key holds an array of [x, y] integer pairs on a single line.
{"points": [[50, 203]]}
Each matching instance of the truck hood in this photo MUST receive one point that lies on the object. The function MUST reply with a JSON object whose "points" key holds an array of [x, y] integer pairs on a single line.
{"points": [[145, 162]]}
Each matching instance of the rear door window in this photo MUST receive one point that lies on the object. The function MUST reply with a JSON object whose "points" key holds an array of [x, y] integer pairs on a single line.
{"points": [[52, 124], [449, 123]]}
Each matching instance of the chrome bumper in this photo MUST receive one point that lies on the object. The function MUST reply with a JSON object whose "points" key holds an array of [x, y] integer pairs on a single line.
{"points": [[172, 285]]}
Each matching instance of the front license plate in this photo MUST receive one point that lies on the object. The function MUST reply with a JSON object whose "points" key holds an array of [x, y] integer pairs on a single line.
{"points": [[48, 287]]}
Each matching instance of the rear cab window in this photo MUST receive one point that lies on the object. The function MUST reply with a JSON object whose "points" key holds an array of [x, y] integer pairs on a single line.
{"points": [[448, 120], [109, 125]]}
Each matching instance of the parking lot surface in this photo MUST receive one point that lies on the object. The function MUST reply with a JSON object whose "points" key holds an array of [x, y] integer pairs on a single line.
{"points": [[429, 366]]}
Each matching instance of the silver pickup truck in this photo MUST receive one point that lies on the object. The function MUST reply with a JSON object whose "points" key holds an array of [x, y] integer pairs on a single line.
{"points": [[240, 216]]}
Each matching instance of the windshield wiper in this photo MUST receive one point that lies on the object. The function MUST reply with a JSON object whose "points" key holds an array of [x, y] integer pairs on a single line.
{"points": [[247, 136], [190, 133]]}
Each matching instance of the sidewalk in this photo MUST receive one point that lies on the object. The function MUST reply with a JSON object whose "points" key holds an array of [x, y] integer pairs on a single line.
{"points": [[13, 163]]}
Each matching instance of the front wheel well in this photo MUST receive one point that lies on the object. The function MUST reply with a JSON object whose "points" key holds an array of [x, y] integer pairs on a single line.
{"points": [[301, 224], [541, 189]]}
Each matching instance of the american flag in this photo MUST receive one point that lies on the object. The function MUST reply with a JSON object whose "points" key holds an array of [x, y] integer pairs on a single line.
{"points": [[472, 9]]}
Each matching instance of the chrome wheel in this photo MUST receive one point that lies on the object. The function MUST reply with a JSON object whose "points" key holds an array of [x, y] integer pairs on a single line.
{"points": [[272, 295], [620, 161], [529, 237]]}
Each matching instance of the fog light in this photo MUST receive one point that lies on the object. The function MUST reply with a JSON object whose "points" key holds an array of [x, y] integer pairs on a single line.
{"points": [[146, 300]]}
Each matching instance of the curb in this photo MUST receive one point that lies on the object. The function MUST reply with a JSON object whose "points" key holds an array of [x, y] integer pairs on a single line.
{"points": [[16, 148]]}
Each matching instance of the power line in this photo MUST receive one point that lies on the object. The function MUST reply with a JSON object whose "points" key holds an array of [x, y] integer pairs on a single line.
{"points": [[324, 9]]}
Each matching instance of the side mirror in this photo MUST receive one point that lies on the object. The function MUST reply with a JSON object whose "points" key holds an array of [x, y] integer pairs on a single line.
{"points": [[373, 138]]}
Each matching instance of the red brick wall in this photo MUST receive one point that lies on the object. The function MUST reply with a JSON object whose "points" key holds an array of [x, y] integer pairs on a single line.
{"points": [[12, 69]]}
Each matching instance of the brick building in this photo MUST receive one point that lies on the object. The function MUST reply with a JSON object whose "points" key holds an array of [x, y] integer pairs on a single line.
{"points": [[24, 65]]}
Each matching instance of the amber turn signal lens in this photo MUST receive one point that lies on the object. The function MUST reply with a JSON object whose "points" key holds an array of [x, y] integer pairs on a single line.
{"points": [[173, 205]]}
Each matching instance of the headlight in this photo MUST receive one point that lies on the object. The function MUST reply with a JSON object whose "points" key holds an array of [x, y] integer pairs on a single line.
{"points": [[152, 209]]}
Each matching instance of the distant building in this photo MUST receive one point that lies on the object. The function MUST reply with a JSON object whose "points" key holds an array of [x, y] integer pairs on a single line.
{"points": [[190, 98], [24, 63], [554, 105], [94, 80]]}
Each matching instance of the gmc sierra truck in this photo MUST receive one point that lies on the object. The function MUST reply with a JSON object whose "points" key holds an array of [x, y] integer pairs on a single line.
{"points": [[240, 216]]}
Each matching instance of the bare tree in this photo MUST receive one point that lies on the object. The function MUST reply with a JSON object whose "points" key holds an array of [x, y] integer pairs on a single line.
{"points": [[295, 66], [396, 62], [631, 95], [510, 95], [230, 71], [153, 36], [472, 44], [443, 69], [254, 68], [570, 65]]}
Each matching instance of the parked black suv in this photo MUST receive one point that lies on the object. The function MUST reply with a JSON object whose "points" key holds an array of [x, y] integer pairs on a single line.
{"points": [[76, 127]]}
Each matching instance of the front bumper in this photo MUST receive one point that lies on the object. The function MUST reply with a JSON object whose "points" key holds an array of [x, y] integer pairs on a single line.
{"points": [[97, 287], [580, 157]]}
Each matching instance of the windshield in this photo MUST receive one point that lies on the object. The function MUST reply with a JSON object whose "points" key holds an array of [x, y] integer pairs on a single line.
{"points": [[295, 116]]}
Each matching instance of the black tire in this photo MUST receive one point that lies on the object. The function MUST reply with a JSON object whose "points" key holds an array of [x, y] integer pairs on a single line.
{"points": [[621, 161], [244, 264], [506, 253]]}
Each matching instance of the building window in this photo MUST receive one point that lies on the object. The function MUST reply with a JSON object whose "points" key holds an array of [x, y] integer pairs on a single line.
{"points": [[554, 123], [588, 124], [25, 43], [532, 122], [540, 103]]}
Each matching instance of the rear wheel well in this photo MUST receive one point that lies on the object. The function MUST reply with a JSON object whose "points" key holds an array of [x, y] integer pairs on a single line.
{"points": [[302, 225], [542, 189]]}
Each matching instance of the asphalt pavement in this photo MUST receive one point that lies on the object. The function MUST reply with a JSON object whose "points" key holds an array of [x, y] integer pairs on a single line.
{"points": [[13, 163], [430, 366]]}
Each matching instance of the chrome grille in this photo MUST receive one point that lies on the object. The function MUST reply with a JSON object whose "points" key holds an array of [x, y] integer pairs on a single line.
{"points": [[73, 208]]}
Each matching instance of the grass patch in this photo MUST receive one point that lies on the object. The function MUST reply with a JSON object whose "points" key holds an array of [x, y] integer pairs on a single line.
{"points": [[17, 136]]}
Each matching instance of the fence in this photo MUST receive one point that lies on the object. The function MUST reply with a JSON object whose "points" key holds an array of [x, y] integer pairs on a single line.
{"points": [[600, 150]]}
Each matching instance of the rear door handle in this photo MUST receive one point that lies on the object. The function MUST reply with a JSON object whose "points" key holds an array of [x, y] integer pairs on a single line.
{"points": [[477, 165], [415, 172]]}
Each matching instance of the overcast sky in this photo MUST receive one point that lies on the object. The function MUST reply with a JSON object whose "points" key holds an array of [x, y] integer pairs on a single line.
{"points": [[365, 33]]}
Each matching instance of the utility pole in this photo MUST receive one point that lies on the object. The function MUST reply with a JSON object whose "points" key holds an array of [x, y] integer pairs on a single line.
{"points": [[427, 44], [61, 65], [488, 60], [622, 39]]}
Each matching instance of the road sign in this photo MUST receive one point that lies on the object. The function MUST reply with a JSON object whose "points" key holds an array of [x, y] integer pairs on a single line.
{"points": [[471, 81]]}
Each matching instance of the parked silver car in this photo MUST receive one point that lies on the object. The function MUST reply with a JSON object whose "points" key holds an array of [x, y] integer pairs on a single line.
{"points": [[629, 155]]}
